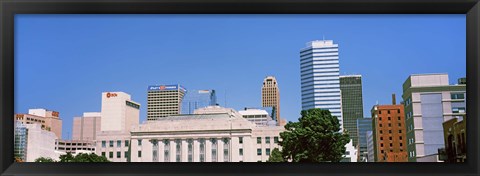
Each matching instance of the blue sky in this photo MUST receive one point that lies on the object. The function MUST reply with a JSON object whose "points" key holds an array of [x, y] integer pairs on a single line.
{"points": [[64, 62]]}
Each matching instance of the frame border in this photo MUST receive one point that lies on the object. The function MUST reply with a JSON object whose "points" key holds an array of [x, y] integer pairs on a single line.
{"points": [[8, 9]]}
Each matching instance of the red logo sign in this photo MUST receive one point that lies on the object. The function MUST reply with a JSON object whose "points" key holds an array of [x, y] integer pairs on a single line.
{"points": [[162, 87], [111, 95]]}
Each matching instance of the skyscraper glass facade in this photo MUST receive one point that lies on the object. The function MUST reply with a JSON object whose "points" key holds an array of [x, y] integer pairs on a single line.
{"points": [[320, 81], [20, 141], [363, 125], [352, 104], [195, 99]]}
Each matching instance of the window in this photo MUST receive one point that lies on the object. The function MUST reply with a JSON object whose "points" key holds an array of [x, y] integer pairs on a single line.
{"points": [[390, 138], [259, 140], [275, 140], [267, 140], [388, 113], [400, 137], [139, 142], [240, 151], [240, 140], [389, 118], [119, 155], [382, 151], [178, 150], [381, 145], [126, 154], [103, 154], [398, 111], [456, 96], [111, 144], [389, 131], [381, 132], [380, 118], [401, 144], [391, 145], [139, 153], [399, 118], [214, 150], [259, 152], [399, 131], [458, 110], [190, 150], [226, 147], [202, 150], [110, 154], [119, 143], [399, 124], [380, 112], [104, 144], [380, 125], [166, 150], [126, 143], [389, 125], [267, 151], [381, 138]]}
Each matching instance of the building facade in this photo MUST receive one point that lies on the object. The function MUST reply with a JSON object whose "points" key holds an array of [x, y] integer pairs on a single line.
{"points": [[363, 125], [32, 142], [352, 104], [389, 133], [20, 141], [258, 116], [119, 112], [113, 141], [215, 134], [320, 81], [271, 96], [370, 147], [74, 146], [86, 127], [195, 99], [454, 132], [49, 120], [430, 101], [164, 100]]}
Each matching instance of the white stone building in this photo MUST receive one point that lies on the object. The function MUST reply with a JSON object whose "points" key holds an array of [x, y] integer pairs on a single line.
{"points": [[212, 134]]}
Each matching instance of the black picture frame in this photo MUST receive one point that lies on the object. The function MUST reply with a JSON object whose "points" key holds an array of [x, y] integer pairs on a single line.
{"points": [[8, 9]]}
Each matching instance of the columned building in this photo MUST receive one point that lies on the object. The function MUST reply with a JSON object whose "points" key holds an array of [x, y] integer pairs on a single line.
{"points": [[429, 101], [164, 100], [271, 96], [213, 134], [320, 81], [352, 104]]}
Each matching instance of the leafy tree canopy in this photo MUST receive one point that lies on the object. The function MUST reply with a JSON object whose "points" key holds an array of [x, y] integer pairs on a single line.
{"points": [[316, 137], [276, 156], [82, 157]]}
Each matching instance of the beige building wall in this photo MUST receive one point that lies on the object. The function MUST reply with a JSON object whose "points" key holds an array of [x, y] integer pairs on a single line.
{"points": [[48, 120], [86, 127], [271, 95]]}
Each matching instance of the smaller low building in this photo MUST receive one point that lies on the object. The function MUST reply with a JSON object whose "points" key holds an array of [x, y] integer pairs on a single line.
{"points": [[32, 142], [455, 139], [258, 116], [74, 146]]}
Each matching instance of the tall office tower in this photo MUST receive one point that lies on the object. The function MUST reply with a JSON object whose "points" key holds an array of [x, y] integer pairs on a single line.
{"points": [[86, 127], [195, 99], [119, 112], [271, 96], [389, 132], [363, 125], [352, 104], [430, 101], [319, 68], [164, 100], [49, 120]]}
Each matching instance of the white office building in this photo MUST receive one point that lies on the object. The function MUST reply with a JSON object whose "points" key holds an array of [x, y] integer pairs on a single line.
{"points": [[40, 143], [212, 134], [258, 116], [320, 77], [119, 115]]}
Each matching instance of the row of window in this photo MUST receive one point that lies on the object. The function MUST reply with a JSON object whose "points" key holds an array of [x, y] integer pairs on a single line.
{"points": [[390, 138], [259, 151], [388, 111], [390, 131], [267, 140], [119, 143], [389, 125], [391, 144], [110, 154]]}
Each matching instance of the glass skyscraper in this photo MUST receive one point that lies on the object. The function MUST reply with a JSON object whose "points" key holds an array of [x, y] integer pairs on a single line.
{"points": [[363, 125], [320, 81], [352, 104], [195, 99]]}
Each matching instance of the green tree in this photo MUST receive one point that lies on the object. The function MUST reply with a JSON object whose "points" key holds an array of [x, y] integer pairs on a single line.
{"points": [[276, 156], [92, 157], [316, 137], [66, 158], [44, 160]]}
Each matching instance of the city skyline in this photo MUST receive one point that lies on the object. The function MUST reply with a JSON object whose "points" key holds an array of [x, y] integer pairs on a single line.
{"points": [[103, 50]]}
